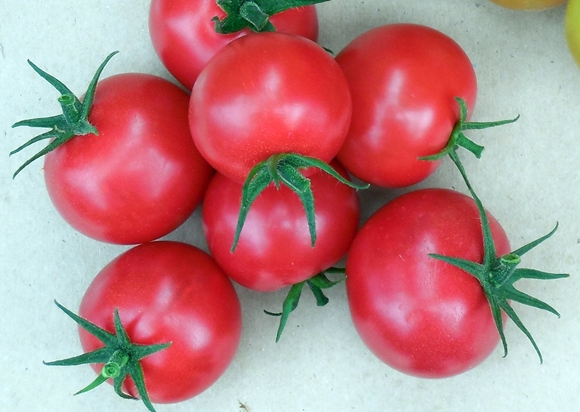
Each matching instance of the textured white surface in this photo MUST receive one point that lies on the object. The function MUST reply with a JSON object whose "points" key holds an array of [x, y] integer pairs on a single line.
{"points": [[528, 178]]}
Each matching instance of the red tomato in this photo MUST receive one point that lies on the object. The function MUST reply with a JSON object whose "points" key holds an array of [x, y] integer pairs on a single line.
{"points": [[265, 94], [184, 37], [417, 314], [274, 248], [403, 80], [142, 176], [529, 4], [168, 292]]}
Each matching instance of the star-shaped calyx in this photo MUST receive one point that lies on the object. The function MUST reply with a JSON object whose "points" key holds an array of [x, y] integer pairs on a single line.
{"points": [[497, 274], [74, 120], [253, 14], [120, 356]]}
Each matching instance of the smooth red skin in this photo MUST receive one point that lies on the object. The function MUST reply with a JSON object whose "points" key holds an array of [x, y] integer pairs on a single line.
{"points": [[403, 80], [168, 292], [142, 176], [268, 93], [421, 316], [184, 37], [274, 249]]}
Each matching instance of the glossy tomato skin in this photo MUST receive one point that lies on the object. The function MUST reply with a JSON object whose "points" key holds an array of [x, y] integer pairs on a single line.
{"points": [[265, 94], [419, 315], [529, 4], [184, 37], [572, 28], [274, 249], [403, 80], [142, 176], [168, 292]]}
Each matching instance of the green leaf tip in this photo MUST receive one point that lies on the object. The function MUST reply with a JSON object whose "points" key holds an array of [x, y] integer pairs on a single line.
{"points": [[72, 122], [120, 356], [284, 169], [497, 274]]}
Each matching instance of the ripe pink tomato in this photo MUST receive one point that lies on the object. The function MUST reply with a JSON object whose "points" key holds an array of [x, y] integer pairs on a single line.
{"points": [[142, 176], [265, 94], [184, 36], [529, 4], [274, 248], [403, 79], [419, 315], [168, 292]]}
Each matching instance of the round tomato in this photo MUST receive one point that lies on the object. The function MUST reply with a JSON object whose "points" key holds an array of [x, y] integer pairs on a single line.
{"points": [[422, 316], [265, 94], [572, 28], [529, 4], [184, 35], [403, 79], [168, 292], [274, 248], [141, 176]]}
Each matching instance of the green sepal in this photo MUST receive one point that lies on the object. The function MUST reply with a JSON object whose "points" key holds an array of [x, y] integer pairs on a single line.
{"points": [[55, 122], [533, 244], [118, 387], [120, 356], [135, 370], [284, 169], [319, 282], [101, 355], [289, 305], [253, 14], [497, 274], [316, 284], [72, 122], [98, 381], [459, 139]]}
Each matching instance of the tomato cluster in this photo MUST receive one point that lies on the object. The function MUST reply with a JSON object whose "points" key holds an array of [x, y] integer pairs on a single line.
{"points": [[266, 132]]}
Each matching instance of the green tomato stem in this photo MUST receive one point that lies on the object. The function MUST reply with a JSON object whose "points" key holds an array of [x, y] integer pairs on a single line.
{"points": [[112, 369], [253, 14], [69, 109], [504, 269]]}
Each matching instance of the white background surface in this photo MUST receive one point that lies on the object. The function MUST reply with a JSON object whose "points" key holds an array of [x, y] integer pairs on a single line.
{"points": [[528, 178]]}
